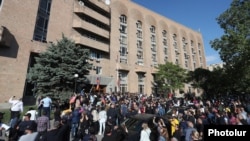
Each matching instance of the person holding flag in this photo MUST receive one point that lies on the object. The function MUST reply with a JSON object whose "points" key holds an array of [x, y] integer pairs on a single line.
{"points": [[97, 83]]}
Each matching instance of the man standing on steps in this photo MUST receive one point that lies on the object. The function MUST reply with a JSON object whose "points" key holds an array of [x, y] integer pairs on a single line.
{"points": [[47, 105], [16, 107]]}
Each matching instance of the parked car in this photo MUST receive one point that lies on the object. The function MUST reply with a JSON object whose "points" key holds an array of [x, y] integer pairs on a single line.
{"points": [[134, 124]]}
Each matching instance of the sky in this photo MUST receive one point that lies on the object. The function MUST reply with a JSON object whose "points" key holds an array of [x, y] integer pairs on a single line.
{"points": [[199, 15]]}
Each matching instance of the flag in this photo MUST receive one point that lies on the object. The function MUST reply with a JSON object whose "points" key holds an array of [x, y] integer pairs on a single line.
{"points": [[118, 82], [97, 83]]}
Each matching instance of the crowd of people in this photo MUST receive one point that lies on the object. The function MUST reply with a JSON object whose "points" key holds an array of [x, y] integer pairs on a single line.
{"points": [[87, 115]]}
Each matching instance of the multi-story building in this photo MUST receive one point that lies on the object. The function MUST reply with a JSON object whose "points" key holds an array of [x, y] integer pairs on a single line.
{"points": [[211, 67], [126, 42]]}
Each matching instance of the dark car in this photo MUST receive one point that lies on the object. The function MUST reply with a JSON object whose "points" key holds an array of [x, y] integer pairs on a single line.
{"points": [[134, 125]]}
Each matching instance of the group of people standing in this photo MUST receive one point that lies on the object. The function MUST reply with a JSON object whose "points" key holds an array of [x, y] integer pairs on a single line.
{"points": [[88, 115], [30, 126]]}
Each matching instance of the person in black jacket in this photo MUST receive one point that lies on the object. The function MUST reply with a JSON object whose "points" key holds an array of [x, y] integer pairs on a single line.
{"points": [[60, 132], [112, 114]]}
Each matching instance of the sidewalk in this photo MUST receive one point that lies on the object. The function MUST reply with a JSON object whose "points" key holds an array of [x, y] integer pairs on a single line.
{"points": [[4, 106]]}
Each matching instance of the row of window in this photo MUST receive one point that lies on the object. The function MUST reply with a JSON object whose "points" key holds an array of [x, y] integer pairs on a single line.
{"points": [[123, 83], [139, 33]]}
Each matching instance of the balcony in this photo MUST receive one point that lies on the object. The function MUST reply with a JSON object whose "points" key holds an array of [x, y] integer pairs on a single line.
{"points": [[92, 13], [91, 43], [124, 67], [102, 5], [78, 23]]}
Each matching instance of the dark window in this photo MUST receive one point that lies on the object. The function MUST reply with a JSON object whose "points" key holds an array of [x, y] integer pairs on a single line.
{"points": [[42, 20], [29, 86]]}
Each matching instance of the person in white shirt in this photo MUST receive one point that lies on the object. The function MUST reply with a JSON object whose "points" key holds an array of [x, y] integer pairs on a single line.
{"points": [[145, 132], [47, 105], [102, 120], [33, 113], [16, 106]]}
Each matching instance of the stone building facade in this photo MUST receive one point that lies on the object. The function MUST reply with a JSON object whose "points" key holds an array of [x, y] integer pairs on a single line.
{"points": [[127, 41]]}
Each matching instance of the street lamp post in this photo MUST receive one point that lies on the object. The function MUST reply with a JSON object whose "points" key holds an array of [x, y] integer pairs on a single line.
{"points": [[75, 76]]}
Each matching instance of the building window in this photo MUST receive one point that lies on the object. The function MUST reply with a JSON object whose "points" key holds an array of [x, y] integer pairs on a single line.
{"points": [[174, 37], [154, 58], [123, 83], [153, 48], [152, 29], [192, 43], [139, 34], [141, 89], [139, 44], [140, 55], [165, 42], [123, 51], [95, 55], [98, 70], [123, 40], [186, 63], [177, 62], [123, 19], [42, 20], [123, 29], [153, 39], [166, 51], [141, 83], [139, 25], [1, 3], [164, 33], [199, 46]]}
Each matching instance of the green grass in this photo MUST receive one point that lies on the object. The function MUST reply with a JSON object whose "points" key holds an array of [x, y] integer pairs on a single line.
{"points": [[6, 118]]}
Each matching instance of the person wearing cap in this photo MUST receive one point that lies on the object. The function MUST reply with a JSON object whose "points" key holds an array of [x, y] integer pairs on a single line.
{"points": [[23, 124], [30, 133]]}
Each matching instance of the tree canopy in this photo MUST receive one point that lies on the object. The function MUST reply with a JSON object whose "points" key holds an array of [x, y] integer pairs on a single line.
{"points": [[53, 72], [170, 77], [234, 45]]}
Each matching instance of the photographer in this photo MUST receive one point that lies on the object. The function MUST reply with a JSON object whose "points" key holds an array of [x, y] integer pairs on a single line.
{"points": [[16, 106]]}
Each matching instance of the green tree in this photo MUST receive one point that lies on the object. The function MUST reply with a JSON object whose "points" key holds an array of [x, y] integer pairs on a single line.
{"points": [[234, 45], [170, 77], [213, 83], [198, 78], [53, 72]]}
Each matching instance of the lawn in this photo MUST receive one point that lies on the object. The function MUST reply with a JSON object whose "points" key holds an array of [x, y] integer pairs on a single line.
{"points": [[6, 118]]}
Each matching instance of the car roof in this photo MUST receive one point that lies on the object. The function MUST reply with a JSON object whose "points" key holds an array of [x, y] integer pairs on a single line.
{"points": [[143, 116]]}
